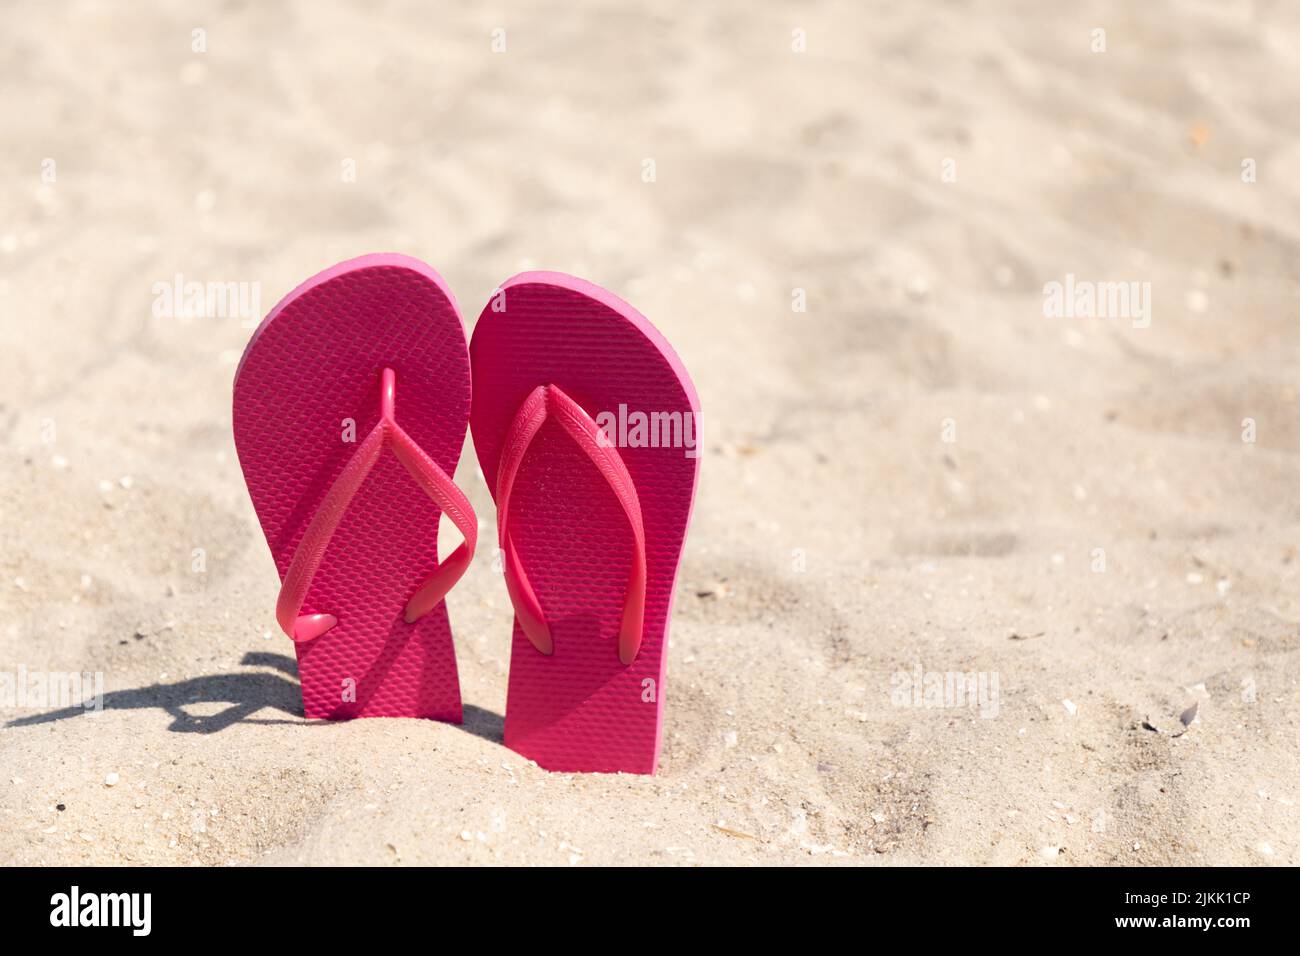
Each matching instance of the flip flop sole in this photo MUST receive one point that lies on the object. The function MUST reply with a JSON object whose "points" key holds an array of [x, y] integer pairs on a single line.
{"points": [[581, 708], [306, 393]]}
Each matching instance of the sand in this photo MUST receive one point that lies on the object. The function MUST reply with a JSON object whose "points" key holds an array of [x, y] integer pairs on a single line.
{"points": [[908, 467]]}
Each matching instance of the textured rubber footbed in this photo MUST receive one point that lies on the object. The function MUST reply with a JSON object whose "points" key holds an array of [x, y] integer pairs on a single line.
{"points": [[314, 363], [581, 709]]}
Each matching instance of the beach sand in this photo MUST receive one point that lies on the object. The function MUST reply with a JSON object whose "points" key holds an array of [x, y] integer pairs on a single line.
{"points": [[907, 466]]}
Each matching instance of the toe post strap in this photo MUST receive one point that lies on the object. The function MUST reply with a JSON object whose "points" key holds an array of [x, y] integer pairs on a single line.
{"points": [[543, 403], [306, 560]]}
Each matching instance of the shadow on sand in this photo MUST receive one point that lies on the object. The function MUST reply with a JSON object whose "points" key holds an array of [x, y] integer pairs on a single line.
{"points": [[245, 694]]}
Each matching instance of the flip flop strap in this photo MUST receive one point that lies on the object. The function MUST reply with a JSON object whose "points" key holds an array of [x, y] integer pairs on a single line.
{"points": [[550, 401], [315, 540]]}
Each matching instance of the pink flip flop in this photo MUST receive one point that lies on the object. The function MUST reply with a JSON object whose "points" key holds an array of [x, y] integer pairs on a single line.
{"points": [[350, 409], [584, 421]]}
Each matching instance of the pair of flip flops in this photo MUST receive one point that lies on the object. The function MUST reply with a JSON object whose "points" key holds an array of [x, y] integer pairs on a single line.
{"points": [[350, 409]]}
